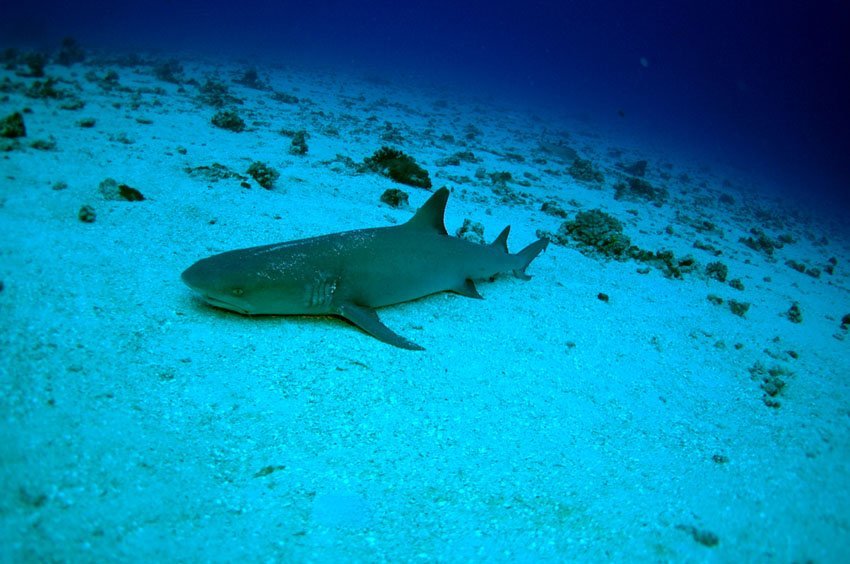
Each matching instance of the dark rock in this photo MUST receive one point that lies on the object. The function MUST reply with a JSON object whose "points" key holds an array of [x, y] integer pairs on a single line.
{"points": [[285, 98], [35, 62], [717, 270], [216, 94], [298, 145], [263, 174], [44, 144], [397, 166], [739, 308], [716, 300], [251, 79], [46, 90], [12, 126], [796, 265], [708, 248], [637, 189], [130, 194], [584, 171], [214, 173], [110, 189], [73, 104], [597, 231], [761, 242], [794, 314], [637, 168], [665, 260], [737, 284], [228, 119], [451, 160], [770, 381], [552, 208], [395, 198], [87, 214], [703, 537], [168, 71]]}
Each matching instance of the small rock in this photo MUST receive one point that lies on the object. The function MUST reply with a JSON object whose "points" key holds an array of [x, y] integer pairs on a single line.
{"points": [[705, 538], [395, 198], [263, 174], [298, 145], [794, 314], [471, 231], [739, 308], [228, 119], [13, 126], [87, 214], [111, 190], [717, 270], [714, 299]]}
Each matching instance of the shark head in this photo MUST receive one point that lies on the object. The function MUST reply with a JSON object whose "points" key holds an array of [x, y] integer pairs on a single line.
{"points": [[235, 281], [219, 287]]}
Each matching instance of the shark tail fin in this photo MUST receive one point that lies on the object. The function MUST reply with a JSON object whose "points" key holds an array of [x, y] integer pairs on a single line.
{"points": [[527, 255]]}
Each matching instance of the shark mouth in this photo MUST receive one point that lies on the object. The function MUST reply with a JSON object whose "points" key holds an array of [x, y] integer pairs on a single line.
{"points": [[222, 304]]}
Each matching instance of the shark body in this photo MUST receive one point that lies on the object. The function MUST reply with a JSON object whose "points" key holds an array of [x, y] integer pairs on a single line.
{"points": [[349, 274]]}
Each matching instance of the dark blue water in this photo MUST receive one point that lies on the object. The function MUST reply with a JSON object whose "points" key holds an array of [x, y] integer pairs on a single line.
{"points": [[760, 85]]}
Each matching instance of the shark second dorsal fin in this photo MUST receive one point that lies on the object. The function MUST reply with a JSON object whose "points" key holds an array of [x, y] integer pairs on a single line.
{"points": [[430, 215]]}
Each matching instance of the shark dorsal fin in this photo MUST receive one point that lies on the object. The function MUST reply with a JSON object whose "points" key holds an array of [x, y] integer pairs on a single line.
{"points": [[501, 241], [430, 215]]}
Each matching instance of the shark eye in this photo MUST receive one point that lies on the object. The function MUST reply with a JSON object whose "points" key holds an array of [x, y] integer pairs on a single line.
{"points": [[237, 291]]}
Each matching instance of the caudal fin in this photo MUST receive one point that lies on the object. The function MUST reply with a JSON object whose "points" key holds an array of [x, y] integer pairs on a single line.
{"points": [[527, 255]]}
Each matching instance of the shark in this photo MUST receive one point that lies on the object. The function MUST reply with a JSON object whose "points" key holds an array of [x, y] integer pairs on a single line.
{"points": [[352, 273]]}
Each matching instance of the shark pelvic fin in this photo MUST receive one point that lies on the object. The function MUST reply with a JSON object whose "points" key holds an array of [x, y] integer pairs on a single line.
{"points": [[467, 288]]}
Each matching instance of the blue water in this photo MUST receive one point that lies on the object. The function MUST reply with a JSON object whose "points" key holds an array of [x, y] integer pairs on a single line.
{"points": [[607, 409], [758, 85]]}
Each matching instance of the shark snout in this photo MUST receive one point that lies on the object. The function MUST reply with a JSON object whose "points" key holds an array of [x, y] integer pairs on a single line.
{"points": [[201, 278], [192, 277]]}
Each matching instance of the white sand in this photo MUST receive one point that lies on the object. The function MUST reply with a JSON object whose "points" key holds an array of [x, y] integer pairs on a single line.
{"points": [[539, 424]]}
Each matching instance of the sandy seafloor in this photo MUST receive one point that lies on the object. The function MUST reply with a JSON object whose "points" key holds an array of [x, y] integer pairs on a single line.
{"points": [[541, 424]]}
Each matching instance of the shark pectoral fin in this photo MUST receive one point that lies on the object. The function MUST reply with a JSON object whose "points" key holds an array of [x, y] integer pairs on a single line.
{"points": [[467, 288], [367, 319]]}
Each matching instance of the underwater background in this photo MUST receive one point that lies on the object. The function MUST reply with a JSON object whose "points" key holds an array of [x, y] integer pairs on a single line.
{"points": [[757, 85], [670, 385]]}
